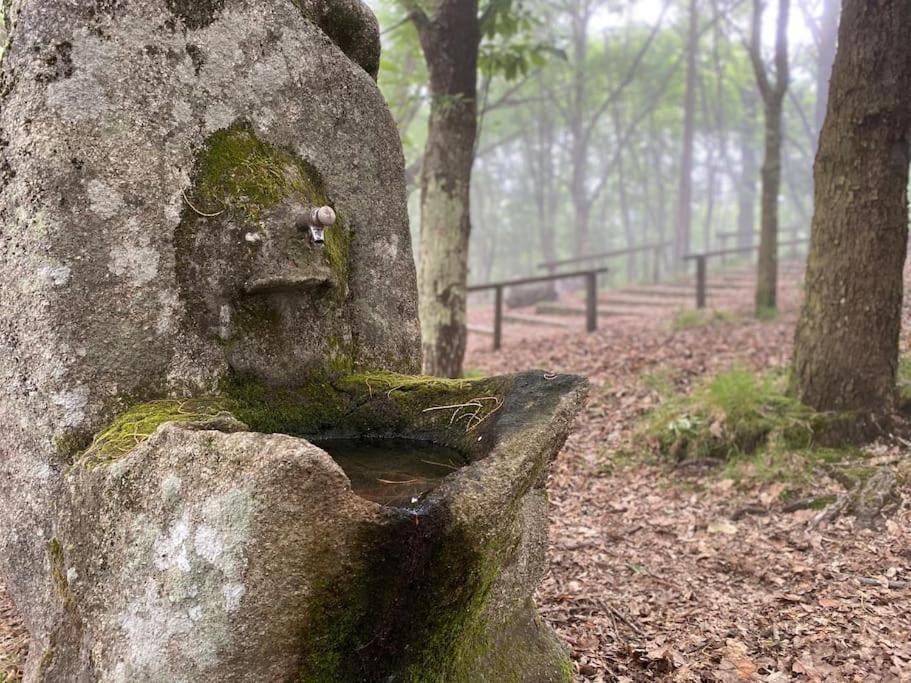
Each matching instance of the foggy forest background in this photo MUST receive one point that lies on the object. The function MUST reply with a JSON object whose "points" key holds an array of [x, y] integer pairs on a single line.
{"points": [[586, 110]]}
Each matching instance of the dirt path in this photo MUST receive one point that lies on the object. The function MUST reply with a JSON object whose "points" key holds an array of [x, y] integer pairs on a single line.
{"points": [[657, 574]]}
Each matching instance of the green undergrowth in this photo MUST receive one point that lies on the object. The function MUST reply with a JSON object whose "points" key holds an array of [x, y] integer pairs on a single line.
{"points": [[766, 313], [690, 318], [382, 402], [800, 468], [752, 428], [734, 413], [904, 380]]}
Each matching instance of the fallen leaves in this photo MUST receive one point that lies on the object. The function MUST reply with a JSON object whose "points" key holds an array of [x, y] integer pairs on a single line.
{"points": [[652, 578]]}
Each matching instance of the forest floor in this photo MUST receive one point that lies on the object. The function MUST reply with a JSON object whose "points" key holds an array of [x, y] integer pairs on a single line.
{"points": [[689, 573], [663, 572]]}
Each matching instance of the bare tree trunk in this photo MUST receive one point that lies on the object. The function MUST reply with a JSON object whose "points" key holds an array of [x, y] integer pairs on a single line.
{"points": [[541, 153], [767, 269], [685, 193], [578, 186], [449, 39], [846, 346], [773, 93], [749, 173]]}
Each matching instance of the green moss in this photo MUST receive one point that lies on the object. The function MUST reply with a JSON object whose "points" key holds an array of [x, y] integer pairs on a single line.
{"points": [[237, 171], [412, 608], [687, 319], [441, 409], [138, 423], [305, 409], [58, 573], [766, 313], [338, 250]]}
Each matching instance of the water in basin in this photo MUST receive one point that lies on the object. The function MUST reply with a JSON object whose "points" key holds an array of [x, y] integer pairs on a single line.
{"points": [[393, 472]]}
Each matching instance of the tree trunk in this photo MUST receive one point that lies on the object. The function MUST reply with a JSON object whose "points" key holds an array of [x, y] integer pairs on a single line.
{"points": [[746, 190], [450, 40], [773, 92], [767, 268], [578, 187], [685, 193], [846, 347]]}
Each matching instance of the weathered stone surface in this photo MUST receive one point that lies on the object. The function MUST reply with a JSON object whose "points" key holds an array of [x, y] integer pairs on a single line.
{"points": [[106, 110], [243, 556], [156, 160]]}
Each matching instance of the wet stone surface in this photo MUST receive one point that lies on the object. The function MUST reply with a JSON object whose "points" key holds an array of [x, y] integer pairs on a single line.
{"points": [[395, 473]]}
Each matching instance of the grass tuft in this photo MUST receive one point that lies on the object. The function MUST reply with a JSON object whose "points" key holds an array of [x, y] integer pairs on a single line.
{"points": [[690, 318], [732, 414]]}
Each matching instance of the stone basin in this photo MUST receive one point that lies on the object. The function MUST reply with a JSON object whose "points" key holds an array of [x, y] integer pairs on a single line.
{"points": [[282, 571]]}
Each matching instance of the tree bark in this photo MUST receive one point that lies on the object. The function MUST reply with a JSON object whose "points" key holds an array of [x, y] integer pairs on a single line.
{"points": [[749, 174], [578, 185], [846, 346], [773, 92], [449, 39], [767, 264], [685, 192]]}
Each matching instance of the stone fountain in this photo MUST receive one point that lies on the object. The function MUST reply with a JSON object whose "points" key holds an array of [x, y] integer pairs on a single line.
{"points": [[206, 272]]}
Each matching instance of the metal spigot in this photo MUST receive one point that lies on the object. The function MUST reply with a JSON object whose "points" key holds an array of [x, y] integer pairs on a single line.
{"points": [[318, 219]]}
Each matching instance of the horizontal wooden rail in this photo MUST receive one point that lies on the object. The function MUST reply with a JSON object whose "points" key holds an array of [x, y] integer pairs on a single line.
{"points": [[702, 258], [606, 254], [591, 297]]}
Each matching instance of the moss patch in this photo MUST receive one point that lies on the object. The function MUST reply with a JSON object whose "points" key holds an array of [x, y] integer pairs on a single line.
{"points": [[688, 319], [237, 171], [58, 573], [446, 411], [734, 413], [138, 423]]}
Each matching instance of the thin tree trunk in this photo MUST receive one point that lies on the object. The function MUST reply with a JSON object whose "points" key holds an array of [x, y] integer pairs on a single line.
{"points": [[578, 188], [685, 192], [749, 174], [846, 346], [773, 93], [767, 269], [449, 39]]}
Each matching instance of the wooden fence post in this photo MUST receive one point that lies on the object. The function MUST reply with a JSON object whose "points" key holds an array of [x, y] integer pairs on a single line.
{"points": [[591, 301], [700, 280], [497, 318]]}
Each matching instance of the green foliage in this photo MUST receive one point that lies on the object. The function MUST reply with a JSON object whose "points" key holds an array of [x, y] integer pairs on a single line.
{"points": [[904, 378], [766, 313], [509, 46], [734, 413], [690, 318]]}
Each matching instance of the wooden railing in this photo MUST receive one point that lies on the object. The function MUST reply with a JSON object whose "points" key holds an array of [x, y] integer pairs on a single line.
{"points": [[702, 258], [656, 248], [591, 297]]}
